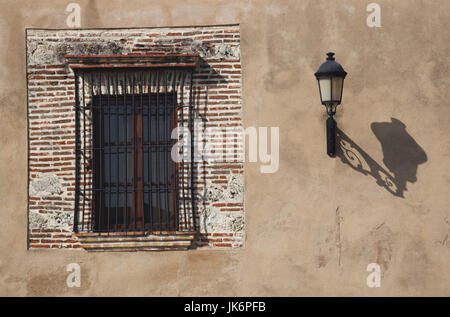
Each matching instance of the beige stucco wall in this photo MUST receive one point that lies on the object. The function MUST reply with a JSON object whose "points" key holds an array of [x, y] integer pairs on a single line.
{"points": [[313, 226]]}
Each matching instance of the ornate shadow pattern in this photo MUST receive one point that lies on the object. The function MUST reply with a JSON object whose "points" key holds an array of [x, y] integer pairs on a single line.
{"points": [[402, 156]]}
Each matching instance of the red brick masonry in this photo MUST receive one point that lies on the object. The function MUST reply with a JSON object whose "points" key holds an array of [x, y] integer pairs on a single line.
{"points": [[51, 132]]}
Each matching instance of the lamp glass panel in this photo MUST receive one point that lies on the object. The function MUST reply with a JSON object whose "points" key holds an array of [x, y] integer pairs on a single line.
{"points": [[325, 89], [336, 88]]}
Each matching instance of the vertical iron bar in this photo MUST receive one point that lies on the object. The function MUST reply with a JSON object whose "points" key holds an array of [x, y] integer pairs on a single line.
{"points": [[93, 169], [124, 88], [77, 164], [110, 148], [166, 176], [191, 119], [84, 154], [173, 165], [102, 152], [141, 149], [149, 147], [116, 90], [158, 186], [182, 149], [134, 149], [173, 113]]}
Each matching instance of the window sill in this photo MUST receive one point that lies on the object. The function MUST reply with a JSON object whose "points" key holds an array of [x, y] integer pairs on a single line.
{"points": [[136, 241]]}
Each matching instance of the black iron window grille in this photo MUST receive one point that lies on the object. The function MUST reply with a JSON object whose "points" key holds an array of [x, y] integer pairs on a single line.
{"points": [[125, 177]]}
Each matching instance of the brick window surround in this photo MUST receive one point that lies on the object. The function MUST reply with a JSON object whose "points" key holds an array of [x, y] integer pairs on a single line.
{"points": [[54, 57]]}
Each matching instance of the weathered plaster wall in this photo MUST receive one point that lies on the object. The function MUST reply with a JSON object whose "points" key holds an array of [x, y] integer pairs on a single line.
{"points": [[313, 226]]}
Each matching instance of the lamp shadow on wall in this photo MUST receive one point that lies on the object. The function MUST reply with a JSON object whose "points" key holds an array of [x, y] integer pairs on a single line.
{"points": [[401, 156]]}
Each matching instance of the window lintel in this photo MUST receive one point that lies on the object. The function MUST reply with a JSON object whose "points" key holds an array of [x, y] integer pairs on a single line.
{"points": [[132, 61]]}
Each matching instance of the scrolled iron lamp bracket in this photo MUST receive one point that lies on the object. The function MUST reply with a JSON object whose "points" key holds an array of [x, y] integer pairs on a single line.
{"points": [[330, 77]]}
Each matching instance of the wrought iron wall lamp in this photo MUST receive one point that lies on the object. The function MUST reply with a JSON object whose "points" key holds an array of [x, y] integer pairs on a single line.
{"points": [[330, 77]]}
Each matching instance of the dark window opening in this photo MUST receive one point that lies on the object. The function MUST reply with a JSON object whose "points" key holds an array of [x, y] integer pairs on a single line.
{"points": [[134, 175], [125, 177]]}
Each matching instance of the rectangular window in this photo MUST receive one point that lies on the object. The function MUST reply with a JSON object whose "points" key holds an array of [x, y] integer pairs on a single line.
{"points": [[134, 175], [126, 178]]}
